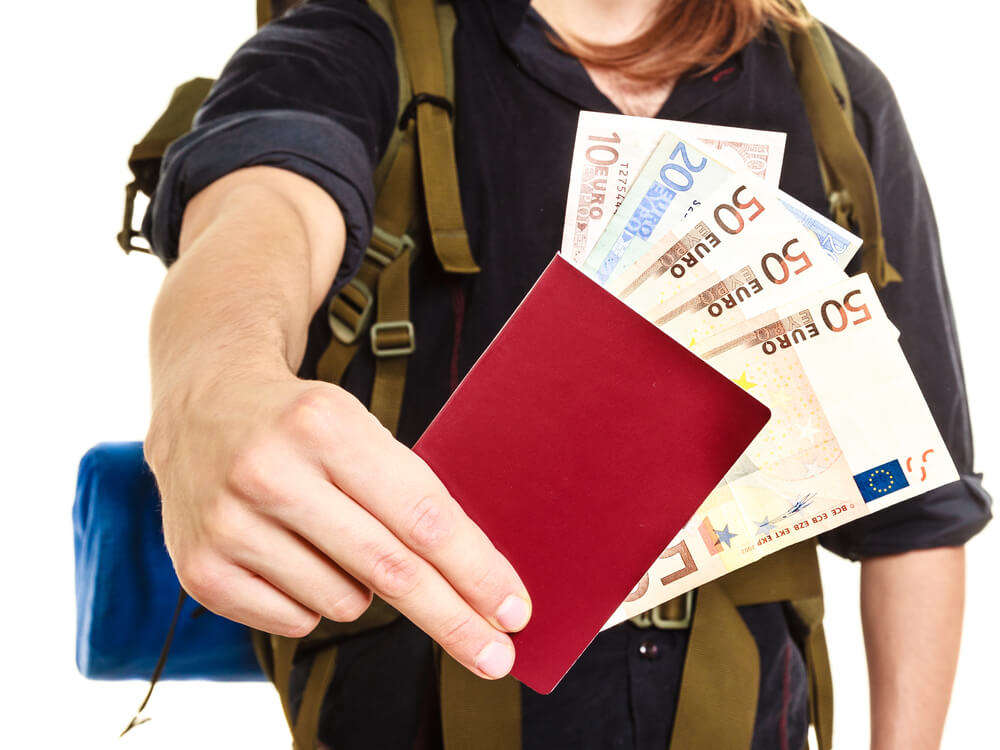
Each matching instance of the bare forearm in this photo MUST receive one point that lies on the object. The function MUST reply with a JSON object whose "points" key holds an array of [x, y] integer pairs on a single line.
{"points": [[911, 607], [284, 500], [257, 252]]}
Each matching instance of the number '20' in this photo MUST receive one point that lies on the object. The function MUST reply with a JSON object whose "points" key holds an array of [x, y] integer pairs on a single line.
{"points": [[684, 179]]}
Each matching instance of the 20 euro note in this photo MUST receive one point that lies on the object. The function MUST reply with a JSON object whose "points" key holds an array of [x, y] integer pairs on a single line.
{"points": [[610, 151], [839, 244], [850, 434], [677, 177]]}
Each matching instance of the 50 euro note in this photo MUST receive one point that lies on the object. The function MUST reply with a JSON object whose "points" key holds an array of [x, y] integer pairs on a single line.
{"points": [[610, 151], [755, 275], [736, 255], [849, 434], [839, 244]]}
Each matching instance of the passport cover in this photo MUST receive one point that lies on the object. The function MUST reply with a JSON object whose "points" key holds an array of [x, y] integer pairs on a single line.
{"points": [[581, 442]]}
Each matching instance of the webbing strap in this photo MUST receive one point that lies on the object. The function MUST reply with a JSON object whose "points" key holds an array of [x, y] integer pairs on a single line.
{"points": [[790, 574], [832, 67], [820, 674], [722, 668], [282, 656], [304, 725], [396, 205], [394, 209], [393, 325], [720, 680], [419, 38], [263, 12], [306, 730], [851, 187], [478, 714], [793, 575], [144, 161]]}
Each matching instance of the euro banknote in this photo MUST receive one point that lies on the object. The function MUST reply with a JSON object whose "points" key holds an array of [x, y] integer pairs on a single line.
{"points": [[838, 243], [850, 434], [755, 274], [677, 180], [735, 256], [611, 150], [677, 177]]}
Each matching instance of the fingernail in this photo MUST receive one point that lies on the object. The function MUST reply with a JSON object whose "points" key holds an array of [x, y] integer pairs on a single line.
{"points": [[495, 659], [513, 614]]}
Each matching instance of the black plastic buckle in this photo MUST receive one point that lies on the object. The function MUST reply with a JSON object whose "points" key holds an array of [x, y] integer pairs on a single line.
{"points": [[128, 234], [410, 110]]}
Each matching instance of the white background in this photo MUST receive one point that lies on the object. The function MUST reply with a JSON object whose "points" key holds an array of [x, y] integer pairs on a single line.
{"points": [[82, 81]]}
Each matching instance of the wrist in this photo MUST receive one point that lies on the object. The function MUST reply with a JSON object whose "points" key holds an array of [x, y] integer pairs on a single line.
{"points": [[207, 394]]}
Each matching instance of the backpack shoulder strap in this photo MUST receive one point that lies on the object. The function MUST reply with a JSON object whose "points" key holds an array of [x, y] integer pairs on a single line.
{"points": [[427, 51], [263, 12], [847, 175], [423, 145], [790, 575]]}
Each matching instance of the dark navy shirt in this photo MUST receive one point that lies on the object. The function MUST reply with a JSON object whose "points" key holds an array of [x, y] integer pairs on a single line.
{"points": [[316, 92]]}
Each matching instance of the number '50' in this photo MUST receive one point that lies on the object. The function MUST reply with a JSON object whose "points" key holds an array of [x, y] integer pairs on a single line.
{"points": [[835, 314]]}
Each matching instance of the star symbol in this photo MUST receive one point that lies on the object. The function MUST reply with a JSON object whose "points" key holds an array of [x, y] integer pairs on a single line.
{"points": [[691, 344], [764, 526], [807, 430], [744, 382], [725, 536]]}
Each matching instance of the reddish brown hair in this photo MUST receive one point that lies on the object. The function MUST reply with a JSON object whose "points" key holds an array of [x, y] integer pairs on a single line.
{"points": [[687, 36]]}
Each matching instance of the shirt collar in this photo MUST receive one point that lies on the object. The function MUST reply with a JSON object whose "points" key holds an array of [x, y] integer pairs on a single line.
{"points": [[523, 32]]}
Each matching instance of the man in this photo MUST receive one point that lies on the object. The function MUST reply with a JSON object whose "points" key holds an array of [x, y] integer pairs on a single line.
{"points": [[285, 501]]}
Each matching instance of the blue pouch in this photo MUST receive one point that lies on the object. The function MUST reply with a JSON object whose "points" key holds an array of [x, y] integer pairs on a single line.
{"points": [[126, 589]]}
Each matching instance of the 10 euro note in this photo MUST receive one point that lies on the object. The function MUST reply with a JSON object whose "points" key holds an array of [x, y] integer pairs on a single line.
{"points": [[611, 149], [850, 434]]}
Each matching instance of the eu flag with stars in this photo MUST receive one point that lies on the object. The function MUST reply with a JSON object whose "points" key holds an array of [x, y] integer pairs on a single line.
{"points": [[881, 481]]}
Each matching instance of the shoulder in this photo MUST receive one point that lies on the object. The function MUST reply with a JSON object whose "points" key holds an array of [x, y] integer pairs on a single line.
{"points": [[332, 58], [322, 31], [866, 78], [872, 96], [325, 16]]}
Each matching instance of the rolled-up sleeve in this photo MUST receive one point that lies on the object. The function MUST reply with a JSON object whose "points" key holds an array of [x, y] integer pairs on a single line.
{"points": [[920, 307], [314, 92]]}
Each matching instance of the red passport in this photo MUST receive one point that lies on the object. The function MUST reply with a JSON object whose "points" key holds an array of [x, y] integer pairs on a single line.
{"points": [[581, 442]]}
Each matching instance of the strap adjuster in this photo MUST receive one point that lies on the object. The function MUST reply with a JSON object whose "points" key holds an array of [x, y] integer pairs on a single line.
{"points": [[667, 616], [410, 110], [127, 233], [841, 206], [385, 247], [393, 338], [350, 311]]}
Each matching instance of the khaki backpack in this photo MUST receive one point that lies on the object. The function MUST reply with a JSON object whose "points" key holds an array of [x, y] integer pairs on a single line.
{"points": [[478, 714]]}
